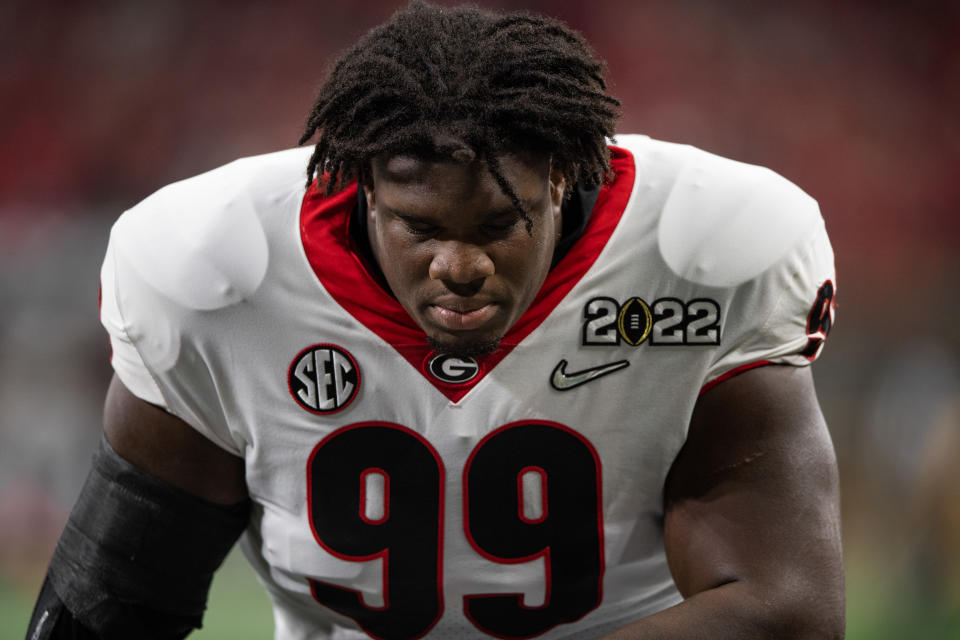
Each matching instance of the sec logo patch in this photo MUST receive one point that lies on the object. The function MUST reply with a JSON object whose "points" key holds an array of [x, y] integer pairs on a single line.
{"points": [[323, 378]]}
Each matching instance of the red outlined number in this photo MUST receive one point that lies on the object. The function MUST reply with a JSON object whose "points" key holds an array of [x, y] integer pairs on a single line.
{"points": [[408, 538], [406, 532], [569, 536]]}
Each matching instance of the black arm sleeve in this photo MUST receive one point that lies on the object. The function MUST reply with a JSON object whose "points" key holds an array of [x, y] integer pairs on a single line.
{"points": [[51, 620], [135, 559]]}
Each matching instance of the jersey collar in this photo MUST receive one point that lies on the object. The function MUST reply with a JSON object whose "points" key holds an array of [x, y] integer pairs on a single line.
{"points": [[337, 258]]}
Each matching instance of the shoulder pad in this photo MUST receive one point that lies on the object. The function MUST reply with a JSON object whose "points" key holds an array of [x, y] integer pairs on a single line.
{"points": [[200, 241], [725, 222]]}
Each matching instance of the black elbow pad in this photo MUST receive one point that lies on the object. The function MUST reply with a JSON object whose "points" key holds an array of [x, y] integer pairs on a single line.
{"points": [[136, 557]]}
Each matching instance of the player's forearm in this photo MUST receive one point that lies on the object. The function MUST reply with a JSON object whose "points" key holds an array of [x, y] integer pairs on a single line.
{"points": [[740, 611]]}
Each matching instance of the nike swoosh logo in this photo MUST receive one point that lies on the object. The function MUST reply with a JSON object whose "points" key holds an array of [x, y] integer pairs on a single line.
{"points": [[561, 380]]}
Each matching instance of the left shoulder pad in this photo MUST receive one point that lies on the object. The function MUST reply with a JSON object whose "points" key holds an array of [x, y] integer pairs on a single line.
{"points": [[725, 222]]}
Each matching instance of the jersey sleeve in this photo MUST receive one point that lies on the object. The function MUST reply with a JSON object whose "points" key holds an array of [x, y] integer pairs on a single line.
{"points": [[754, 245], [181, 269], [783, 315], [155, 286], [124, 356]]}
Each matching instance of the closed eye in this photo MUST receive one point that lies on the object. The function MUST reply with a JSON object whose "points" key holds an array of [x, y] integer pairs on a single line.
{"points": [[416, 226], [499, 228], [502, 223], [420, 228]]}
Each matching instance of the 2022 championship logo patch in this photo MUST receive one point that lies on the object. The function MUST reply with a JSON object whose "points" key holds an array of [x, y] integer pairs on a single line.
{"points": [[323, 378], [667, 321]]}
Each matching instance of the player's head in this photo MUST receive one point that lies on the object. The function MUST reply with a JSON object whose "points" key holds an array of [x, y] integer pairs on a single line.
{"points": [[463, 81], [510, 109]]}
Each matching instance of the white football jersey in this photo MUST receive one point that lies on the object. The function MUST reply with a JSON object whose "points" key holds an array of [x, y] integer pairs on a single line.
{"points": [[398, 494]]}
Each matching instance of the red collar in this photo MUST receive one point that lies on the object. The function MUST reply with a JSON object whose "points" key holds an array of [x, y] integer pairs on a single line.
{"points": [[335, 259]]}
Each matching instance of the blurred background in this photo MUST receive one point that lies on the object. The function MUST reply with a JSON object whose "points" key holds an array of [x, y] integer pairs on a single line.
{"points": [[102, 102]]}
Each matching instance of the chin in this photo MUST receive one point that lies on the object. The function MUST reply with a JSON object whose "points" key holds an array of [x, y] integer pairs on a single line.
{"points": [[465, 348]]}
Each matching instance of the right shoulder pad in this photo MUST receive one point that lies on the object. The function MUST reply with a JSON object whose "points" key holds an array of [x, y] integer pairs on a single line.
{"points": [[199, 242]]}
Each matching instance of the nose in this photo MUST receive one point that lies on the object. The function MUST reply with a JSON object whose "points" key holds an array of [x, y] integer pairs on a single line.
{"points": [[460, 263]]}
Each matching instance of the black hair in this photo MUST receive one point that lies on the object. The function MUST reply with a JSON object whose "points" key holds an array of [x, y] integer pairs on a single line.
{"points": [[464, 83]]}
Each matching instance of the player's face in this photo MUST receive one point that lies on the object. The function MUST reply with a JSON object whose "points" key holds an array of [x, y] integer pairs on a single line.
{"points": [[454, 250]]}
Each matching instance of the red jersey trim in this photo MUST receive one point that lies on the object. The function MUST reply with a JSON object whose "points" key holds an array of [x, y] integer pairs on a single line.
{"points": [[336, 261], [733, 372]]}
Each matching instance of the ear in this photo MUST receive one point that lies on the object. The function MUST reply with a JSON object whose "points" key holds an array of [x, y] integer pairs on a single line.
{"points": [[558, 189], [371, 195], [558, 183], [371, 222]]}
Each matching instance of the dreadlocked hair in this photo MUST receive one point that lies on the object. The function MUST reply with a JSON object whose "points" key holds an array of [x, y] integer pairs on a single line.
{"points": [[464, 83]]}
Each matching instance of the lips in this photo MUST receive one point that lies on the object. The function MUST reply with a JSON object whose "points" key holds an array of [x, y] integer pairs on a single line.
{"points": [[461, 317]]}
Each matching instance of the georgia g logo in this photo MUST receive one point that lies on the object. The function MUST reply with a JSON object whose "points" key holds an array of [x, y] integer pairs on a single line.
{"points": [[452, 370], [323, 378]]}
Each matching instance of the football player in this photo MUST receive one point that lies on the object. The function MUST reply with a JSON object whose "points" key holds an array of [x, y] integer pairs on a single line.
{"points": [[487, 372]]}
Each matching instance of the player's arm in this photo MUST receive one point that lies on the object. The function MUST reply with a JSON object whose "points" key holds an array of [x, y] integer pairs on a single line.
{"points": [[160, 509], [168, 448], [752, 523]]}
